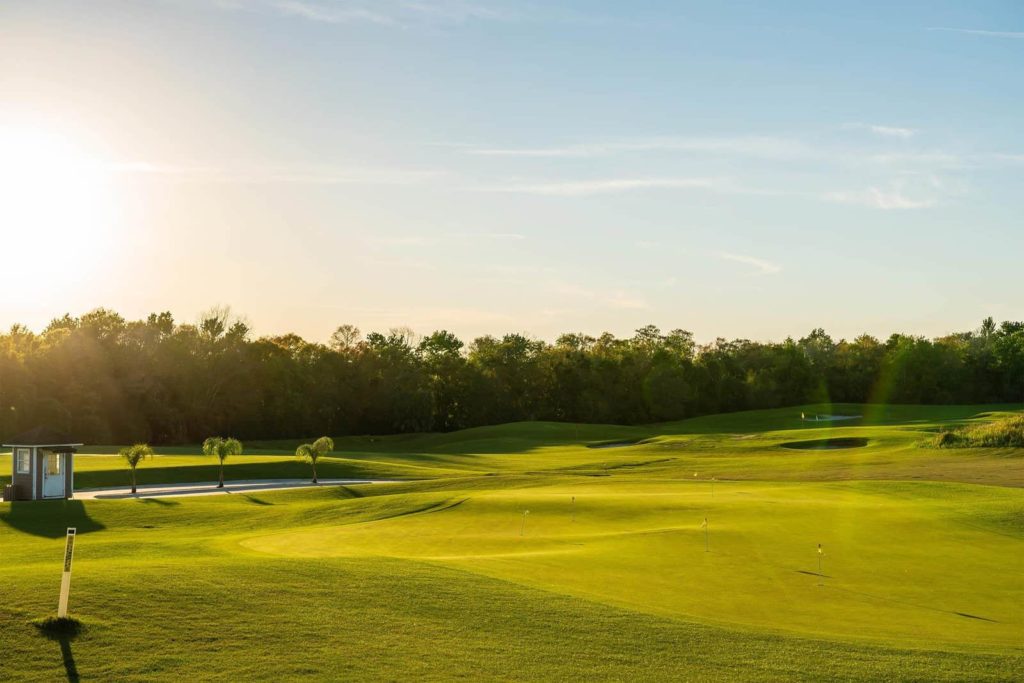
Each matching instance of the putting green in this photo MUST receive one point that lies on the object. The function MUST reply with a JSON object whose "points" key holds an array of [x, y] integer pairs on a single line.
{"points": [[641, 545]]}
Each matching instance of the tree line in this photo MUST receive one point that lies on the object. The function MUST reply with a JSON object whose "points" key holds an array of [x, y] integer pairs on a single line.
{"points": [[105, 379]]}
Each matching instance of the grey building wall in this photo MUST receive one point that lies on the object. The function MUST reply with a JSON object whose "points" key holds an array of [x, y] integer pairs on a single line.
{"points": [[22, 482]]}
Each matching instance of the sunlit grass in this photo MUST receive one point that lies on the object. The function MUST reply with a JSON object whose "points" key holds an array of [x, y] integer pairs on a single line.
{"points": [[438, 578]]}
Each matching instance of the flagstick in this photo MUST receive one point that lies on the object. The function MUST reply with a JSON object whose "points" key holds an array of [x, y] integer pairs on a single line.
{"points": [[574, 509], [821, 578], [522, 529], [707, 529]]}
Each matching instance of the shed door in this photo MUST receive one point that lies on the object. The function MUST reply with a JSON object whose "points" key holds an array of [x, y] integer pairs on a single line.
{"points": [[53, 476]]}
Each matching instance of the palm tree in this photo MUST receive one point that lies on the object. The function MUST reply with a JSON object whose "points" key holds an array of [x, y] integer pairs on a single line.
{"points": [[222, 448], [311, 452], [134, 455]]}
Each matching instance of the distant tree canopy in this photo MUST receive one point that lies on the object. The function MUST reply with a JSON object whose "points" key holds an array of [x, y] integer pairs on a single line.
{"points": [[109, 380]]}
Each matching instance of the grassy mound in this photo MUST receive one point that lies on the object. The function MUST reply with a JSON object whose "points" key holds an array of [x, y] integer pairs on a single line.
{"points": [[618, 443], [1005, 433], [826, 444]]}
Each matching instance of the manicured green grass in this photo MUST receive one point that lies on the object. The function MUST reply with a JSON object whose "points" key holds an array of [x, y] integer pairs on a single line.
{"points": [[438, 578]]}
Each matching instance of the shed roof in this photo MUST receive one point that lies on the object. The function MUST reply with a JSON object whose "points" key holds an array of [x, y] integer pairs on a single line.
{"points": [[41, 436]]}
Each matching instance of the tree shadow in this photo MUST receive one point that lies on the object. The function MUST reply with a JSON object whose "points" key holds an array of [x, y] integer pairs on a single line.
{"points": [[49, 518], [348, 492]]}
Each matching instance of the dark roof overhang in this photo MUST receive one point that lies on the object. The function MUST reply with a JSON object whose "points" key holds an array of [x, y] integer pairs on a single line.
{"points": [[41, 436]]}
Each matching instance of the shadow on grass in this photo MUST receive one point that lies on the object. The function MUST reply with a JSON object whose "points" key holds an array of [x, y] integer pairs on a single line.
{"points": [[256, 501], [63, 630], [285, 468], [159, 501], [49, 518], [931, 608], [348, 492]]}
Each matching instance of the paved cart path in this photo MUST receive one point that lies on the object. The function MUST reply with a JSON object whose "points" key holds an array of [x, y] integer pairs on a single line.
{"points": [[209, 488]]}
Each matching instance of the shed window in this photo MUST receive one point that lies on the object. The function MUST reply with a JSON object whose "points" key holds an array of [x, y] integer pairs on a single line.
{"points": [[24, 461]]}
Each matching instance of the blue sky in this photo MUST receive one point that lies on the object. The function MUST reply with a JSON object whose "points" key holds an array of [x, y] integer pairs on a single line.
{"points": [[734, 168]]}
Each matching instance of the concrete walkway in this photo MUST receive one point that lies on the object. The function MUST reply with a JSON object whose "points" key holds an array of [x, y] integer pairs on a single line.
{"points": [[209, 488]]}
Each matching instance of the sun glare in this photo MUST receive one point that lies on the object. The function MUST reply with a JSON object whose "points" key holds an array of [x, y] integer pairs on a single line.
{"points": [[56, 208]]}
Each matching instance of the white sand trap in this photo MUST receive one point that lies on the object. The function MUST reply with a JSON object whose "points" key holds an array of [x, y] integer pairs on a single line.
{"points": [[821, 417]]}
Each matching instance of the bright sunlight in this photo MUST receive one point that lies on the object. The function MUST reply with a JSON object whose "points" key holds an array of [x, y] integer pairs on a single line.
{"points": [[56, 204]]}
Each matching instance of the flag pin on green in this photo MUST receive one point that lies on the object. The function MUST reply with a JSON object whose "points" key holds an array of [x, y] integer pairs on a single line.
{"points": [[821, 554]]}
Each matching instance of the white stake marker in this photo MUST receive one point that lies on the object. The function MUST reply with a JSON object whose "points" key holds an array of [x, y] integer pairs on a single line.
{"points": [[65, 581]]}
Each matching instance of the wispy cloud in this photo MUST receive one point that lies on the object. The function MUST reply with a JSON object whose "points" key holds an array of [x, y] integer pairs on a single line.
{"points": [[755, 146], [302, 175], [330, 13], [902, 132], [626, 301], [616, 298], [893, 131], [1005, 157], [402, 243], [425, 318], [761, 266], [879, 198], [582, 188], [513, 236], [399, 241], [980, 32], [928, 159], [394, 13]]}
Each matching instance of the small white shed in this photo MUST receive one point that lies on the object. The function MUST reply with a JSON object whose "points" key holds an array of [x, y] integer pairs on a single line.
{"points": [[42, 465]]}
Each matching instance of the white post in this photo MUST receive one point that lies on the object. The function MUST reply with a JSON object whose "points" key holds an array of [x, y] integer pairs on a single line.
{"points": [[65, 581]]}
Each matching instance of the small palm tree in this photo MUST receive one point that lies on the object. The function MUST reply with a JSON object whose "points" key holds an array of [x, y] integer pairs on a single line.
{"points": [[134, 455], [222, 448], [311, 452]]}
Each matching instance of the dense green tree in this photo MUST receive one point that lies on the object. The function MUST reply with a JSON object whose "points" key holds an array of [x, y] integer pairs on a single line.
{"points": [[111, 380]]}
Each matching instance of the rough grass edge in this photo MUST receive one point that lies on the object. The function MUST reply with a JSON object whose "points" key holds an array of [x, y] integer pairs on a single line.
{"points": [[1005, 433]]}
